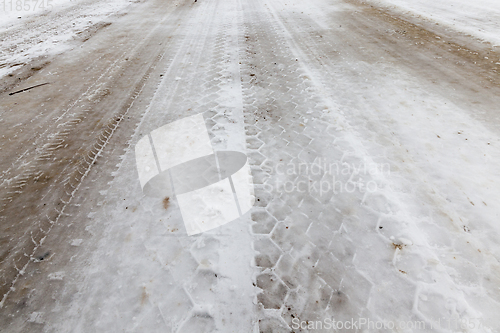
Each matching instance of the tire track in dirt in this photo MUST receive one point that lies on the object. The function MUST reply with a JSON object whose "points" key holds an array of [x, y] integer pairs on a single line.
{"points": [[40, 179]]}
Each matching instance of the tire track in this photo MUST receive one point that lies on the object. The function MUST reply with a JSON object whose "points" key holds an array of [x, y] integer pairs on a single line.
{"points": [[59, 192]]}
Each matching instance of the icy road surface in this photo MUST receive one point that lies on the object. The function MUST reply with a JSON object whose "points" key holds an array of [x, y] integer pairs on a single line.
{"points": [[374, 147]]}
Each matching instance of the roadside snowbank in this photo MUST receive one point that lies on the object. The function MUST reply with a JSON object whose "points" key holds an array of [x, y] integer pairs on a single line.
{"points": [[12, 10], [33, 30], [479, 18]]}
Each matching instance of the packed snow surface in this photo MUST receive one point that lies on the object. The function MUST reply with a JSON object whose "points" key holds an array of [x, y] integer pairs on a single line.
{"points": [[374, 150]]}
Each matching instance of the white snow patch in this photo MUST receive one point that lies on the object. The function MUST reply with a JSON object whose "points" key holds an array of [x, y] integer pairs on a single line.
{"points": [[36, 317], [479, 18], [31, 32], [76, 242], [57, 276]]}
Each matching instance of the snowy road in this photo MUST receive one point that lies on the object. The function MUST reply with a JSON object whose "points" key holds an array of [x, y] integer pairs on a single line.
{"points": [[374, 147]]}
